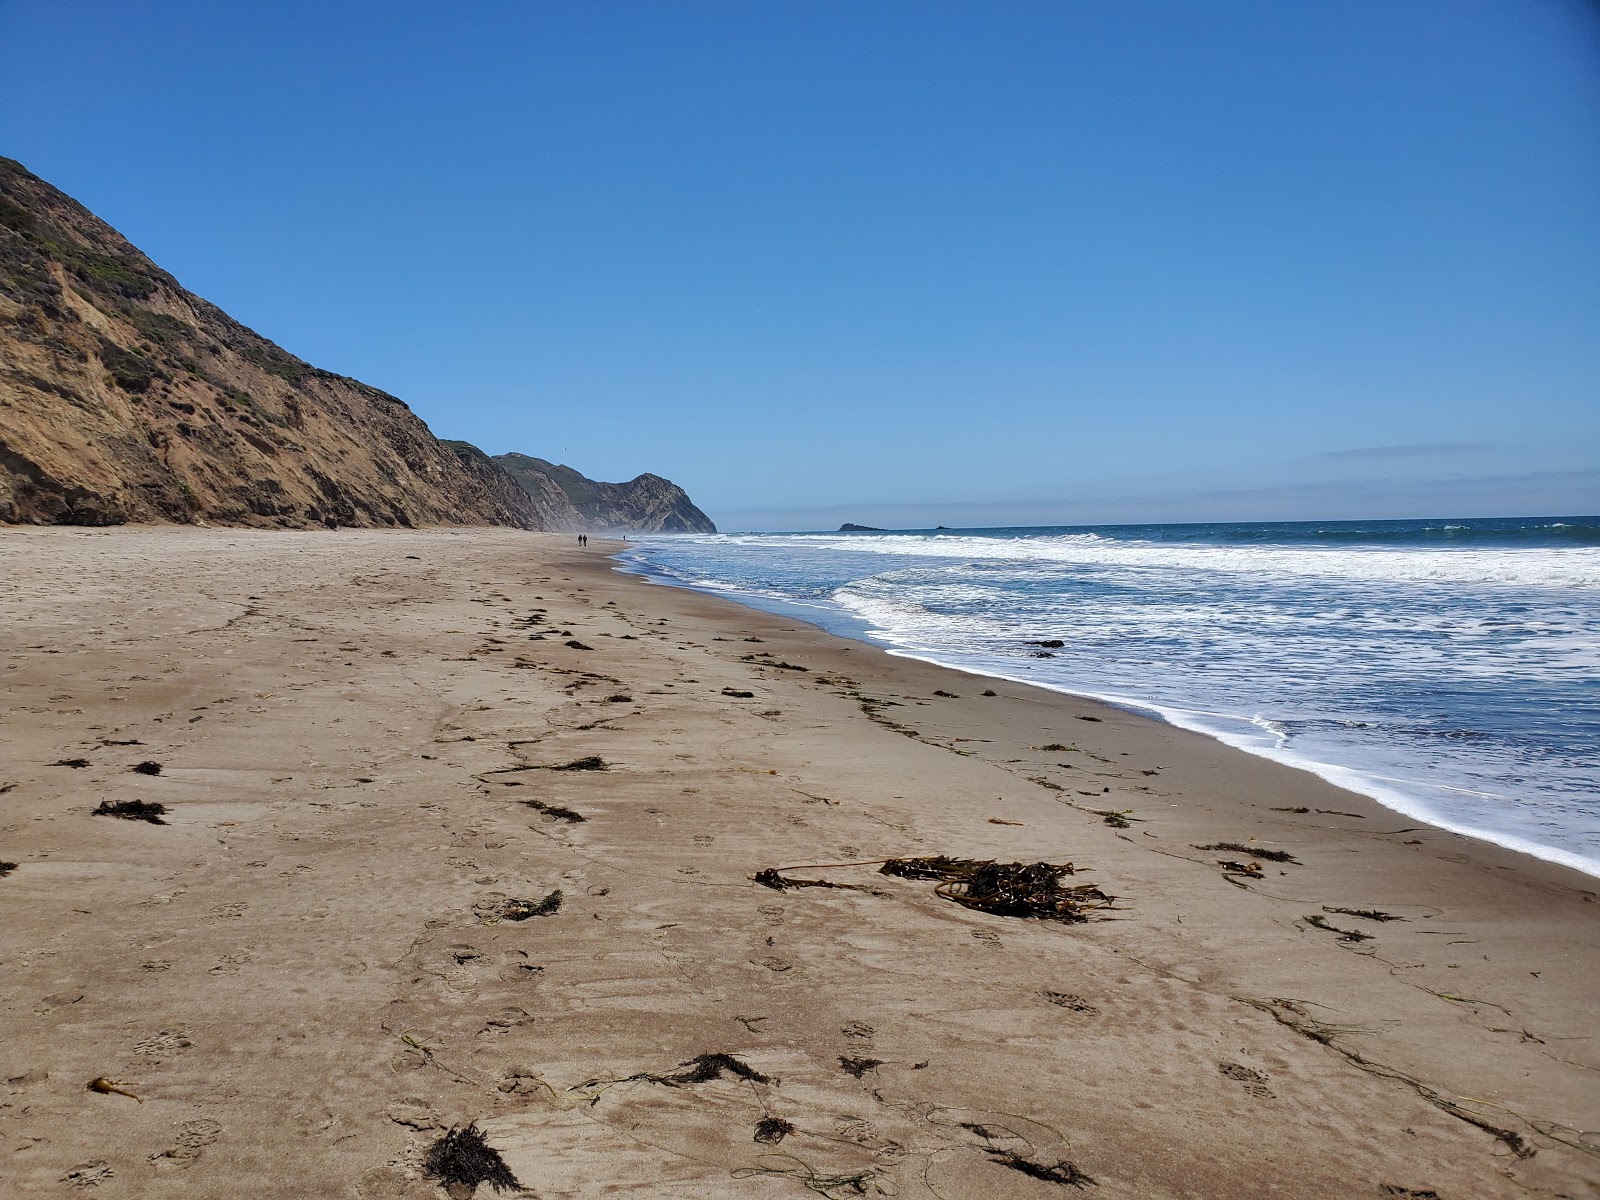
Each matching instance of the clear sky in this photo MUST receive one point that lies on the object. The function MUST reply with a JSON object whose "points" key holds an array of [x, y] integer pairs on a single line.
{"points": [[899, 263]]}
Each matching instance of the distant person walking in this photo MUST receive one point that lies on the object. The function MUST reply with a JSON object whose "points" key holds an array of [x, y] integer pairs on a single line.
{"points": [[583, 539]]}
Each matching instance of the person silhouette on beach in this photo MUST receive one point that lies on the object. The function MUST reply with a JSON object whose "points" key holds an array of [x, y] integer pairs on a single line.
{"points": [[583, 539]]}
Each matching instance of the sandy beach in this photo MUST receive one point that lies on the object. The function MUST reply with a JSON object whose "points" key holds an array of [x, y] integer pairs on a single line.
{"points": [[461, 827]]}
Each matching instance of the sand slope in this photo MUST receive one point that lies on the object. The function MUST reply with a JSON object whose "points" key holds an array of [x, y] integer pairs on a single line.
{"points": [[307, 974]]}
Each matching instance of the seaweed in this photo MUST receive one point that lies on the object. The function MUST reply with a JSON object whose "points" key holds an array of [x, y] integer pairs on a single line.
{"points": [[1062, 1172], [619, 698], [7, 867], [703, 1068], [947, 695], [782, 666], [592, 763], [738, 695], [770, 878], [1370, 914], [937, 867], [1005, 889], [556, 811], [1281, 856], [148, 768], [1318, 921], [132, 810], [987, 692], [575, 644], [772, 1130], [1116, 818], [76, 764], [1051, 643], [1071, 1003], [1056, 748], [859, 1066], [462, 1159], [521, 910], [1292, 1014]]}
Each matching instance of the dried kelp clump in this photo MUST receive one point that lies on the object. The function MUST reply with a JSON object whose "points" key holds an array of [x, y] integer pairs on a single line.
{"points": [[557, 811], [521, 910], [592, 763], [462, 1159], [6, 868], [1062, 1172], [1281, 856], [1005, 889], [772, 1130], [702, 1068], [132, 810]]}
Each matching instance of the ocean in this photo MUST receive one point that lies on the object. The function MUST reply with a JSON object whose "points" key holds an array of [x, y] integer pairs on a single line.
{"points": [[1449, 669]]}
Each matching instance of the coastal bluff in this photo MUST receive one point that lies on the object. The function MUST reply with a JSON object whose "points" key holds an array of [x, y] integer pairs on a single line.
{"points": [[126, 398]]}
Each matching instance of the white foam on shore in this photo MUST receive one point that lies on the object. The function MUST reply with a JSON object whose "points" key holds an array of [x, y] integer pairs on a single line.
{"points": [[1265, 740], [1348, 778]]}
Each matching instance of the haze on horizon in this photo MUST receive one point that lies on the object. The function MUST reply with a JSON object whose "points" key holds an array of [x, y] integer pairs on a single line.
{"points": [[896, 264]]}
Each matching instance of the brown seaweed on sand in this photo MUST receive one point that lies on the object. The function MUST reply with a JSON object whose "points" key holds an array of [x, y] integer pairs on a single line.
{"points": [[132, 810], [859, 1066], [1280, 856], [703, 1068], [1005, 889], [1318, 921], [1062, 1172], [521, 910], [148, 768], [1368, 914], [462, 1159], [772, 1130], [592, 763], [6, 868], [556, 811], [769, 877]]}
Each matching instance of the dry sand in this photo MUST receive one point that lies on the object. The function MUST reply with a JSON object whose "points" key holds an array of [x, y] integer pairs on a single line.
{"points": [[303, 977]]}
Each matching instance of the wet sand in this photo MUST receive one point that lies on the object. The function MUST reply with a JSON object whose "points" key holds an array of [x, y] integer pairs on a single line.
{"points": [[332, 951]]}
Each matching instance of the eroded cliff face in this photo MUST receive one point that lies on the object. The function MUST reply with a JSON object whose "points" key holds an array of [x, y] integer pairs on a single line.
{"points": [[647, 504], [124, 397]]}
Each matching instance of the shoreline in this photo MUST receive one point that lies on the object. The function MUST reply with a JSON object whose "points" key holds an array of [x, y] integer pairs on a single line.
{"points": [[374, 746], [1349, 779]]}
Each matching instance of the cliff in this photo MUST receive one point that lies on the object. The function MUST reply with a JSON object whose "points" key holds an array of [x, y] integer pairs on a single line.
{"points": [[648, 503], [124, 397]]}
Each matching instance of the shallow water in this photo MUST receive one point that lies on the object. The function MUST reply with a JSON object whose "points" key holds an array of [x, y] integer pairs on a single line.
{"points": [[1449, 669]]}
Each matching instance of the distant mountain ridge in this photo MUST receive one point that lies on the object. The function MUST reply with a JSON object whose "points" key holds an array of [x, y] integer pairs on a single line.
{"points": [[124, 397], [647, 502]]}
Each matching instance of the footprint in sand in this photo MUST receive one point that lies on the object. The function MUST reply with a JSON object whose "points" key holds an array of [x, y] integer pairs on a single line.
{"points": [[1254, 1082], [193, 1137]]}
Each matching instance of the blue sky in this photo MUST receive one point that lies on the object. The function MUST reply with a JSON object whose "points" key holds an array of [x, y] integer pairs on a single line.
{"points": [[900, 263]]}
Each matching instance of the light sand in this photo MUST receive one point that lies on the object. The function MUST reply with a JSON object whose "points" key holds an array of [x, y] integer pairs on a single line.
{"points": [[301, 977]]}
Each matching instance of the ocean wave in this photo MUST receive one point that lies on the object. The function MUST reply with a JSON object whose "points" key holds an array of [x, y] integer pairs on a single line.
{"points": [[1546, 567]]}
